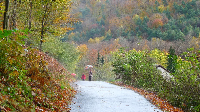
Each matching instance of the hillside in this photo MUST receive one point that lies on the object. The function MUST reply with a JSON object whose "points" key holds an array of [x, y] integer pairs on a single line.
{"points": [[168, 20], [31, 80]]}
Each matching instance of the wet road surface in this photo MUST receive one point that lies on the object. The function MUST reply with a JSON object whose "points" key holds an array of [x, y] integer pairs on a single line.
{"points": [[98, 96]]}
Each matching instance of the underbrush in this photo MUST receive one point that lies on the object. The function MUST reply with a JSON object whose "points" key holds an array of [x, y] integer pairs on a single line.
{"points": [[31, 80]]}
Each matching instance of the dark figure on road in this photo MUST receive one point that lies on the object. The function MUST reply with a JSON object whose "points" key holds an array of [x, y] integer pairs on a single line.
{"points": [[90, 75], [83, 77]]}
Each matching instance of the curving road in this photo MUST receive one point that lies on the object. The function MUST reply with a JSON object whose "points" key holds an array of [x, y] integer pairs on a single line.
{"points": [[98, 96]]}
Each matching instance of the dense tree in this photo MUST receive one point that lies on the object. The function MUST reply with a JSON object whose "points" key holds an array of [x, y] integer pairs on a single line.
{"points": [[40, 17], [139, 18]]}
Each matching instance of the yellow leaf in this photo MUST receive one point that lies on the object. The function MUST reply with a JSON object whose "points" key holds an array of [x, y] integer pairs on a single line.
{"points": [[10, 60], [14, 73]]}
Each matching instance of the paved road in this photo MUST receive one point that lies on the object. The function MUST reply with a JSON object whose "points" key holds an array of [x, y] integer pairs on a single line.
{"points": [[97, 96]]}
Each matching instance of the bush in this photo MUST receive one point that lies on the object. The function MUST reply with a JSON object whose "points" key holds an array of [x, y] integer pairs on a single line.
{"points": [[104, 72], [136, 68], [26, 83], [159, 57], [64, 52]]}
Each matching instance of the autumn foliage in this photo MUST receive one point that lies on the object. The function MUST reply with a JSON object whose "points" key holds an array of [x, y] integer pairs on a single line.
{"points": [[31, 80], [157, 22]]}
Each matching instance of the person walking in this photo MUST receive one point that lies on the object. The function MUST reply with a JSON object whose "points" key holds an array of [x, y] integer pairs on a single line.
{"points": [[90, 75], [83, 77]]}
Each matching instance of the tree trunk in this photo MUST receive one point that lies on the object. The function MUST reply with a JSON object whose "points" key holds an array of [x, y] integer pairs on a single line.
{"points": [[14, 25], [48, 5], [42, 30], [29, 23], [42, 34], [5, 21]]}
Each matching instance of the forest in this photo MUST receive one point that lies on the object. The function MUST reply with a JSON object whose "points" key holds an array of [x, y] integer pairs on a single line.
{"points": [[43, 41]]}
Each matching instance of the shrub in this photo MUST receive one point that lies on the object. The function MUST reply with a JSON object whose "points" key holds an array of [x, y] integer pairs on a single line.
{"points": [[136, 68], [25, 80], [159, 57], [64, 52]]}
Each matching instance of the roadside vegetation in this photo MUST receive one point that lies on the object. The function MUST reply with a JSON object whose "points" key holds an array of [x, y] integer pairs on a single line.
{"points": [[42, 42], [137, 68], [35, 65], [31, 80]]}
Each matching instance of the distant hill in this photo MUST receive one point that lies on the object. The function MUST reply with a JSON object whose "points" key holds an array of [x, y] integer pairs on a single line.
{"points": [[164, 19]]}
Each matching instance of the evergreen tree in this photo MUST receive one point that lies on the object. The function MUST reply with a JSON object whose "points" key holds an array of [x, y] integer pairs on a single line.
{"points": [[165, 2], [167, 13], [98, 60], [108, 35], [102, 60], [157, 3], [172, 60]]}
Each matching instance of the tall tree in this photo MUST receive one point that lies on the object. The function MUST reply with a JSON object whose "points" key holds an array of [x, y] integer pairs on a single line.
{"points": [[5, 21], [98, 60], [13, 16], [30, 15], [54, 17], [172, 60], [41, 17]]}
